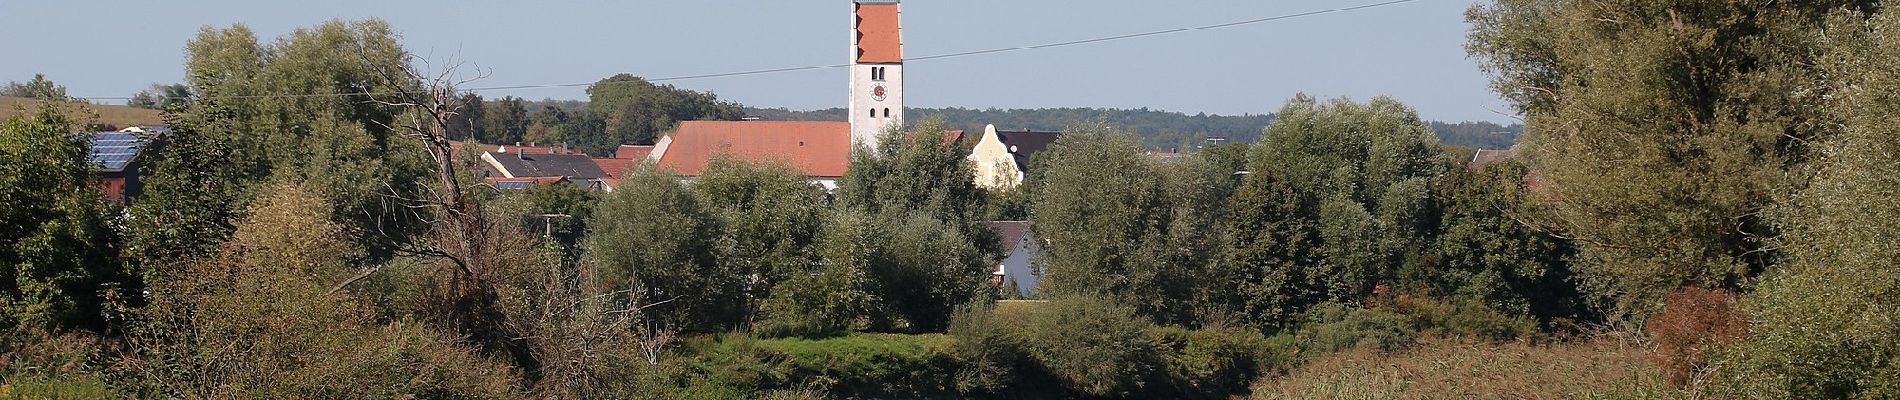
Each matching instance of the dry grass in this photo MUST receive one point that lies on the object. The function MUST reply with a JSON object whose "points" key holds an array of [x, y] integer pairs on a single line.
{"points": [[1605, 368], [88, 114]]}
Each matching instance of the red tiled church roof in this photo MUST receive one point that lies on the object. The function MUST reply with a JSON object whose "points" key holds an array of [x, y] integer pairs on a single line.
{"points": [[815, 148]]}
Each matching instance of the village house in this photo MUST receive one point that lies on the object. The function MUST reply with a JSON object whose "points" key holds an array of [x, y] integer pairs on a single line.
{"points": [[1001, 157], [1016, 269], [118, 158]]}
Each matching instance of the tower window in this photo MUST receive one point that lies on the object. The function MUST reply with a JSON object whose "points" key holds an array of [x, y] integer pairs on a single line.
{"points": [[873, 113], [887, 112]]}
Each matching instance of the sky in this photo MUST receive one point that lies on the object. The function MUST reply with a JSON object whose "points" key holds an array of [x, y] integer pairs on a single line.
{"points": [[1410, 51]]}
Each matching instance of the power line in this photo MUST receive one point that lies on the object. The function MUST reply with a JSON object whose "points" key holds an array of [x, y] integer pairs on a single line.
{"points": [[831, 66]]}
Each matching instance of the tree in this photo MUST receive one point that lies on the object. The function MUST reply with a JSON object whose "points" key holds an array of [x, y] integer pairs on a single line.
{"points": [[655, 237], [1822, 323], [544, 125], [1661, 128], [1358, 176], [469, 124], [162, 97], [935, 247], [1266, 275], [504, 121], [769, 215], [339, 145], [637, 111], [59, 250], [38, 88], [261, 319], [1113, 227], [1484, 251]]}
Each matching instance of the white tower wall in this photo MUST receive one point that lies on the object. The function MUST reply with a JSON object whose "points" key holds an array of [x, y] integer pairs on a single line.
{"points": [[870, 116], [872, 111]]}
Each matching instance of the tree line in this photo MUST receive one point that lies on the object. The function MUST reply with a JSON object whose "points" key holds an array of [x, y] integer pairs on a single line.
{"points": [[1712, 177]]}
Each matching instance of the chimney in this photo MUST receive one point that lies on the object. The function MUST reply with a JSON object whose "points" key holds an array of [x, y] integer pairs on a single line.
{"points": [[518, 153]]}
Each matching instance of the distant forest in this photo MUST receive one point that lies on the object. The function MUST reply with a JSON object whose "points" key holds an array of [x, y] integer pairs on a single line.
{"points": [[1157, 129]]}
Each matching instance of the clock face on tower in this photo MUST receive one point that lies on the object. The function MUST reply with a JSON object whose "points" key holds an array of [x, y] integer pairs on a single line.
{"points": [[877, 92]]}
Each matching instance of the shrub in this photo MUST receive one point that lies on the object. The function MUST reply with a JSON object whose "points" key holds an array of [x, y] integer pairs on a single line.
{"points": [[859, 365], [1210, 362], [1693, 324], [1332, 327], [989, 353], [1093, 346], [1462, 316]]}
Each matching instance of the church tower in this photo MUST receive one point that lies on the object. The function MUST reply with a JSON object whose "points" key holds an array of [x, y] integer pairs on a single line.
{"points": [[877, 70]]}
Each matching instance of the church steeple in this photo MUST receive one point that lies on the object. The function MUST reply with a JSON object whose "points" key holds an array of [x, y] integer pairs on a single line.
{"points": [[877, 70]]}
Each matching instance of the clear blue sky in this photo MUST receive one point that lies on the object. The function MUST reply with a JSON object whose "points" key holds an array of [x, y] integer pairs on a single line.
{"points": [[1411, 51]]}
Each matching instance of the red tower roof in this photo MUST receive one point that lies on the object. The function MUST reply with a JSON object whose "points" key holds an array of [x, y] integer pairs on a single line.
{"points": [[878, 33]]}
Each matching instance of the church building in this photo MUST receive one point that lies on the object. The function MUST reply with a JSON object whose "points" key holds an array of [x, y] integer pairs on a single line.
{"points": [[820, 150]]}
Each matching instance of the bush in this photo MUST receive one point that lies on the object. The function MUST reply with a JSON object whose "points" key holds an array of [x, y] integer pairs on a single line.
{"points": [[1462, 317], [258, 321], [1332, 327], [1692, 326], [862, 365], [1094, 346], [990, 354], [1211, 362]]}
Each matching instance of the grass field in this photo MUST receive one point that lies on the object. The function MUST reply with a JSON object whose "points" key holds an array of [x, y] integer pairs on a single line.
{"points": [[1603, 368], [89, 114]]}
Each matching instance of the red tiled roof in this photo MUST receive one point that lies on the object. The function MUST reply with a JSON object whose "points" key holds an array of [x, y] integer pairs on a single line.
{"points": [[815, 148], [615, 167], [878, 40], [630, 152], [952, 136]]}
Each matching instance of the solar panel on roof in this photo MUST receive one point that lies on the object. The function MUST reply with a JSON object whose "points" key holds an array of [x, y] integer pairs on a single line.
{"points": [[514, 185], [114, 150]]}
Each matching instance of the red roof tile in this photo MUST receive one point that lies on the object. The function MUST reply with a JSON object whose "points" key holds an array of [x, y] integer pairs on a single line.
{"points": [[815, 148], [627, 151], [615, 167], [878, 39]]}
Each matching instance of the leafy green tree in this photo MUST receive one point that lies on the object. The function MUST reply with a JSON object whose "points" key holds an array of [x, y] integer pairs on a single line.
{"points": [[504, 121], [835, 294], [1486, 252], [342, 146], [560, 212], [1266, 274], [162, 97], [545, 125], [637, 111], [261, 319], [769, 215], [654, 236], [468, 123], [1663, 128], [38, 88], [59, 250], [1358, 176], [937, 247], [1114, 224], [1822, 323]]}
